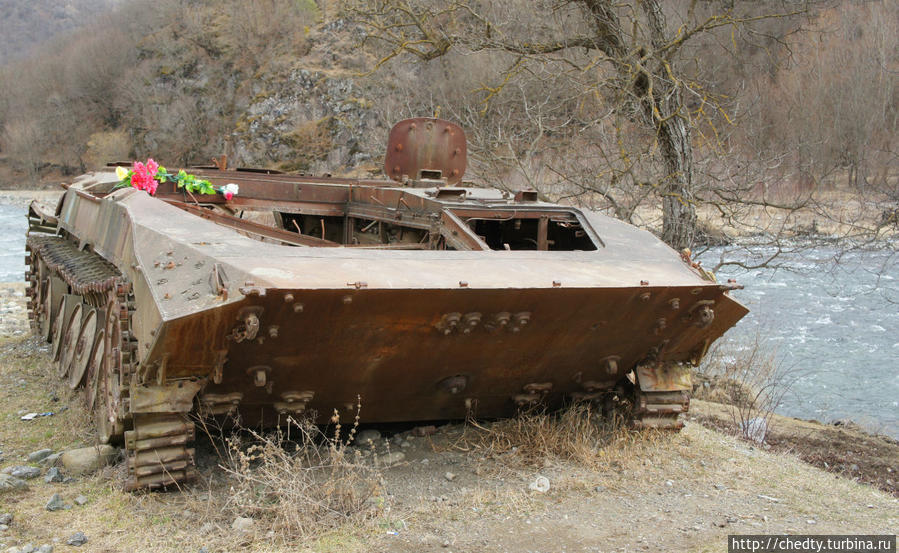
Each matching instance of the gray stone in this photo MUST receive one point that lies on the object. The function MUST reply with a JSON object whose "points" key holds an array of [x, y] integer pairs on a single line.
{"points": [[51, 460], [243, 524], [3, 528], [46, 548], [405, 443], [449, 476], [599, 489], [6, 518], [81, 500], [77, 539], [88, 459], [25, 472], [391, 458], [56, 503], [39, 455], [27, 548], [53, 475], [367, 436], [10, 483]]}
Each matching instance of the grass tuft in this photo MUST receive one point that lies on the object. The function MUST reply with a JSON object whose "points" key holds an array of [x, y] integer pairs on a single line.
{"points": [[297, 482]]}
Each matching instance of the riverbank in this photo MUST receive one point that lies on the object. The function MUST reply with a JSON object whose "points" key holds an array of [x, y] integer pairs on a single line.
{"points": [[22, 198], [459, 487], [841, 448]]}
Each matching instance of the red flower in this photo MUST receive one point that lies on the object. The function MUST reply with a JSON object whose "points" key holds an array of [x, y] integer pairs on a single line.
{"points": [[143, 176], [229, 195]]}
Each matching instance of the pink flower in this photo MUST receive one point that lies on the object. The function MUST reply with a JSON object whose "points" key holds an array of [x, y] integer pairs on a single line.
{"points": [[143, 176], [229, 195]]}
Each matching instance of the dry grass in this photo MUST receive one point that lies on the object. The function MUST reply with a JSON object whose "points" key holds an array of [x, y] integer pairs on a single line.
{"points": [[576, 435], [297, 482], [28, 384]]}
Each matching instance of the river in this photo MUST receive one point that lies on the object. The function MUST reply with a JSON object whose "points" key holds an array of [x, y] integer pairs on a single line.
{"points": [[832, 321], [833, 324]]}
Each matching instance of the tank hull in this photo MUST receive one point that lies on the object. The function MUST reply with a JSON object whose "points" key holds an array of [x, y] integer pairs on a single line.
{"points": [[394, 350], [308, 296]]}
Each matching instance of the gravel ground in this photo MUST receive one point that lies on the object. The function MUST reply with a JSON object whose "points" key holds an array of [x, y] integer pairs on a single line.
{"points": [[22, 198], [13, 314]]}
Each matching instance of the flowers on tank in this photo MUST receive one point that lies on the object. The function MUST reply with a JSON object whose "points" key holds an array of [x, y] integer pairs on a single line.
{"points": [[148, 176], [230, 190]]}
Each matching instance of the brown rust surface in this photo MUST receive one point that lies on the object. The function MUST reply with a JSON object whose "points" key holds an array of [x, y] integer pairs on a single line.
{"points": [[426, 148]]}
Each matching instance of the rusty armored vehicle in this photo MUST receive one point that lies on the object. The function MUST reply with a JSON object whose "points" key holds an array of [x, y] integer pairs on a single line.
{"points": [[426, 298]]}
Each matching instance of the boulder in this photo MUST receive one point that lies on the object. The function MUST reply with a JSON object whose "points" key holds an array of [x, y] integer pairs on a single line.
{"points": [[88, 459], [39, 455], [25, 472], [57, 504], [11, 483]]}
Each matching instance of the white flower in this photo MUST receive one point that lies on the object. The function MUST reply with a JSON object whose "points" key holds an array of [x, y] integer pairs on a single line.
{"points": [[232, 188], [121, 173]]}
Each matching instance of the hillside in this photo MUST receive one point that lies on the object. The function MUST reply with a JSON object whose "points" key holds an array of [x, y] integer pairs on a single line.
{"points": [[285, 84], [28, 23]]}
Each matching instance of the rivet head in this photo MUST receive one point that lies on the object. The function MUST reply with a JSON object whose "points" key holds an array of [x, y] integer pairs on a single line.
{"points": [[348, 299], [399, 147], [288, 298]]}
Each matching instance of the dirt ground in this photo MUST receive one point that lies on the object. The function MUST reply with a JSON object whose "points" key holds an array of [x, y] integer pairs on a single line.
{"points": [[465, 487], [843, 448]]}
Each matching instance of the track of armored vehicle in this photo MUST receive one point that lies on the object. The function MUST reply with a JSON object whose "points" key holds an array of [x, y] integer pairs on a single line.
{"points": [[429, 299]]}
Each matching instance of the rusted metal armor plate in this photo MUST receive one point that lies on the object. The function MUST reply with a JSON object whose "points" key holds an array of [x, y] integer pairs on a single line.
{"points": [[425, 148]]}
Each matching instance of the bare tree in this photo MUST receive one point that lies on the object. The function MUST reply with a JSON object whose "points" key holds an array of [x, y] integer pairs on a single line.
{"points": [[624, 53]]}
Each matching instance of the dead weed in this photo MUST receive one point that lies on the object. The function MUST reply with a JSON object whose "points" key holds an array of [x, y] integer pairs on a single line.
{"points": [[297, 482]]}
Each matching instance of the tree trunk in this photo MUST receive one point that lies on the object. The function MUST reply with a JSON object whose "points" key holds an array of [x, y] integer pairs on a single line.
{"points": [[678, 203], [665, 107]]}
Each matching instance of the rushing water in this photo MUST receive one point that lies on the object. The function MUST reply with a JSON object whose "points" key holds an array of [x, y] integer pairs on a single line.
{"points": [[832, 322], [833, 325], [12, 243]]}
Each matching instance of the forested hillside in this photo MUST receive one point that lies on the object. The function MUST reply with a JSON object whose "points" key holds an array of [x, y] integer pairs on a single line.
{"points": [[26, 23], [676, 105]]}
